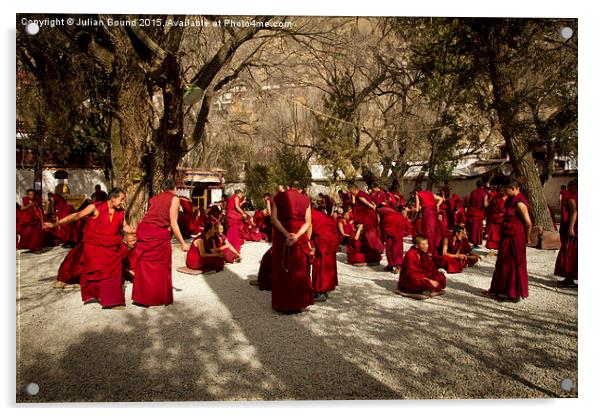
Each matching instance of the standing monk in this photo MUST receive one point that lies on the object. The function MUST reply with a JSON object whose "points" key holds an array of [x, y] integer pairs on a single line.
{"points": [[393, 227], [152, 285], [364, 212], [476, 214], [30, 223], [291, 280], [234, 217], [101, 270], [566, 262], [510, 280], [323, 234], [99, 195], [67, 234], [427, 203], [495, 219]]}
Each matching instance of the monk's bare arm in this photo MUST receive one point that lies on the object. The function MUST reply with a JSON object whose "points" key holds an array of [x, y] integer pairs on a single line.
{"points": [[524, 212], [305, 227], [173, 222], [416, 203], [89, 210], [342, 230], [572, 217], [358, 232], [439, 199], [367, 203]]}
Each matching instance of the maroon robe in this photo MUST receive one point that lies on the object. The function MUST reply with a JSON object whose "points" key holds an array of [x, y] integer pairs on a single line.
{"points": [[363, 214], [186, 217], [416, 268], [264, 277], [153, 283], [71, 267], [429, 224], [328, 204], [130, 260], [494, 222], [100, 278], [325, 239], [196, 262], [291, 279], [378, 198], [567, 260], [510, 276], [197, 225], [30, 226], [394, 228], [459, 215], [451, 264], [234, 220], [475, 216], [67, 233]]}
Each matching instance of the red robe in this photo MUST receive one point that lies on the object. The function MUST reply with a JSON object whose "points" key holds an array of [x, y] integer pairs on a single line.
{"points": [[510, 276], [451, 264], [102, 258], [234, 220], [153, 282], [68, 233], [197, 225], [363, 214], [394, 228], [185, 217], [494, 222], [196, 262], [475, 216], [291, 279], [71, 268], [459, 215], [217, 241], [348, 228], [378, 198], [429, 224], [130, 260], [264, 277], [416, 268], [18, 227], [30, 226], [325, 240], [567, 260]]}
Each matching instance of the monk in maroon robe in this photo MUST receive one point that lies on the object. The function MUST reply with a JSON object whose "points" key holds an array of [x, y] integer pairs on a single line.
{"points": [[419, 277], [455, 252], [234, 217], [101, 269], [200, 256], [219, 243], [198, 222], [377, 196], [153, 283], [130, 257], [364, 212], [346, 198], [324, 238], [567, 260], [264, 276], [99, 195], [427, 203], [510, 281], [494, 221], [30, 223], [67, 234], [291, 279], [185, 217], [476, 214], [393, 227], [345, 227]]}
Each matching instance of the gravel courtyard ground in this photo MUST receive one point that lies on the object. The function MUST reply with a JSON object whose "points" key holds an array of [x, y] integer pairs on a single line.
{"points": [[221, 340]]}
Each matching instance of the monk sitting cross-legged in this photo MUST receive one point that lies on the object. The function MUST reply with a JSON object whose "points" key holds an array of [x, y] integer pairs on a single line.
{"points": [[455, 252], [200, 257], [219, 243], [419, 277]]}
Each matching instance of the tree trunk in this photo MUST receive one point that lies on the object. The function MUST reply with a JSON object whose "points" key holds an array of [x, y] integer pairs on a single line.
{"points": [[506, 105], [130, 130]]}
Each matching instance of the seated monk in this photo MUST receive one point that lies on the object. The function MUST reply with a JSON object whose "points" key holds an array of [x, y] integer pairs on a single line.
{"points": [[264, 276], [130, 257], [252, 232], [200, 257], [219, 243], [419, 277], [455, 252], [198, 222]]}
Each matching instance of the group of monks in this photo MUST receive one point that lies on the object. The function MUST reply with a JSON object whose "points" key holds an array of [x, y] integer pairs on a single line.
{"points": [[300, 267]]}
